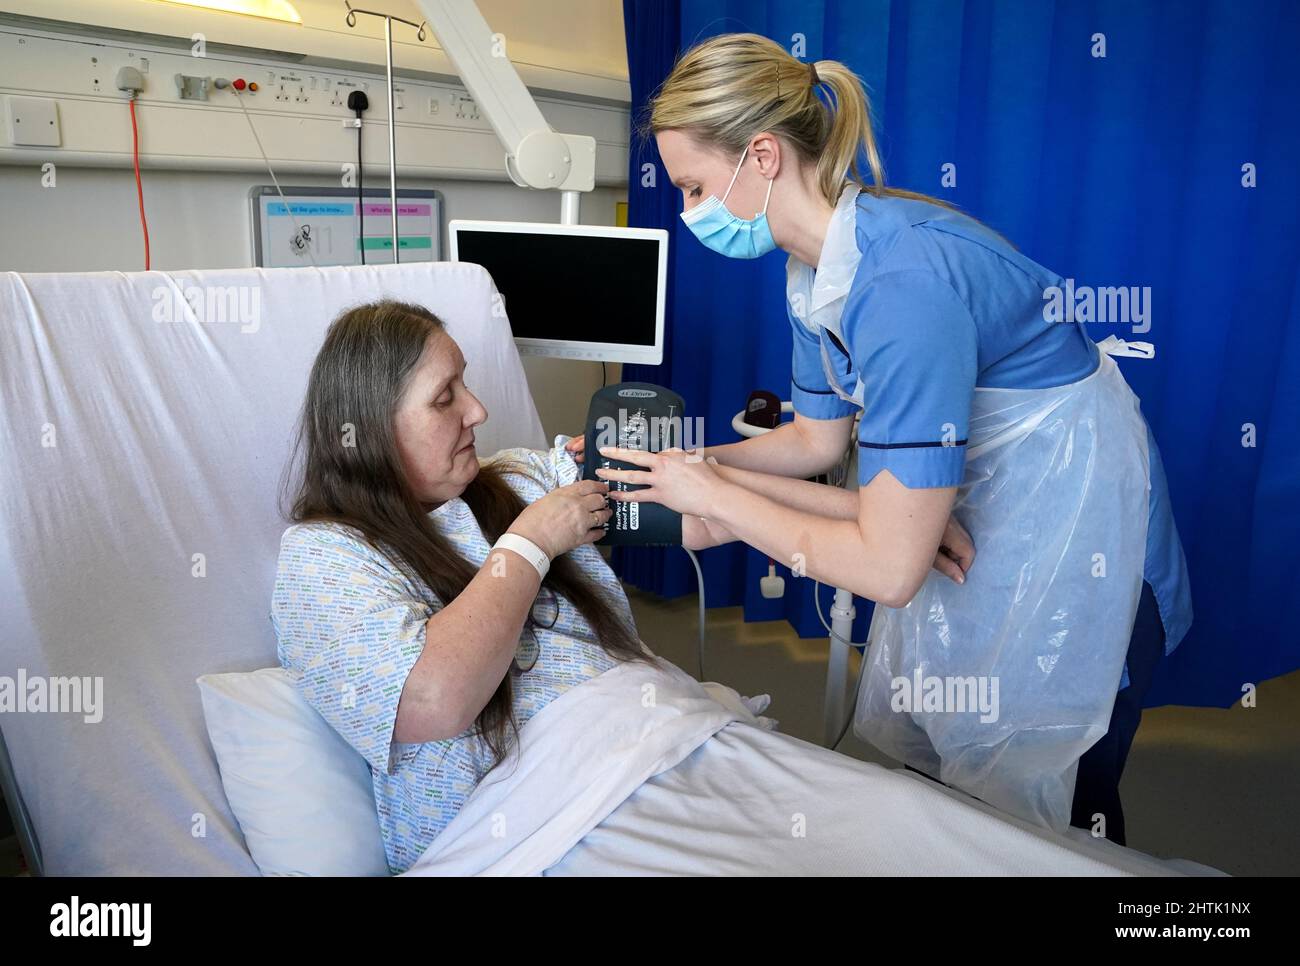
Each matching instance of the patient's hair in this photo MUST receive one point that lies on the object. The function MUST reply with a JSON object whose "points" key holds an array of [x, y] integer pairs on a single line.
{"points": [[358, 378]]}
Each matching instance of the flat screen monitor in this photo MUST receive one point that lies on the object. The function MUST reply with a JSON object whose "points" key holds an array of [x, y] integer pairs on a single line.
{"points": [[574, 291]]}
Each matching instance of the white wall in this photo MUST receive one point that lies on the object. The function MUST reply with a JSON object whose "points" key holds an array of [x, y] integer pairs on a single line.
{"points": [[88, 221], [571, 46]]}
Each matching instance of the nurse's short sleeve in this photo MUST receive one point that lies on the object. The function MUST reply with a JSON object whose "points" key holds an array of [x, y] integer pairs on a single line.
{"points": [[534, 473], [350, 628], [809, 391], [915, 346]]}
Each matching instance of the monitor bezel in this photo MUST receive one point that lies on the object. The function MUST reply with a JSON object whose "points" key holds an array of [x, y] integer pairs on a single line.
{"points": [[651, 355]]}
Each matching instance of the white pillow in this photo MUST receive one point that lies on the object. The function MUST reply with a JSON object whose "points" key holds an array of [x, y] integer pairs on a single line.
{"points": [[301, 794]]}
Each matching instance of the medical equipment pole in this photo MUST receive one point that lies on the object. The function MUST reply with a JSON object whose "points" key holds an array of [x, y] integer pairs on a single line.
{"points": [[392, 134], [569, 201], [392, 113], [841, 629], [837, 665]]}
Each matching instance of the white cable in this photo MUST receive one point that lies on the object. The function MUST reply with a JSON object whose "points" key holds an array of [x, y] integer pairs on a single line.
{"points": [[861, 667], [239, 98], [817, 599], [838, 477], [857, 689], [699, 577]]}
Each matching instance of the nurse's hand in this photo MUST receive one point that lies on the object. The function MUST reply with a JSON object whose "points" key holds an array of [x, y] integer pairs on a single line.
{"points": [[956, 552], [682, 481]]}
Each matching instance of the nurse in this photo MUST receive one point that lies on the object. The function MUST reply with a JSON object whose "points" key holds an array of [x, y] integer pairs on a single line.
{"points": [[1021, 684]]}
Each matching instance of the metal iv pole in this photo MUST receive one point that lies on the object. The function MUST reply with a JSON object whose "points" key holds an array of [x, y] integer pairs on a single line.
{"points": [[392, 120]]}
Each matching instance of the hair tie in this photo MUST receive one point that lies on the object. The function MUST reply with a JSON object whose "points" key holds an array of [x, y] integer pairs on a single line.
{"points": [[812, 74]]}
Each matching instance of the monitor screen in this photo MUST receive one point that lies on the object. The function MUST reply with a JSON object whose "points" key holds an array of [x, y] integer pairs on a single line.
{"points": [[574, 291]]}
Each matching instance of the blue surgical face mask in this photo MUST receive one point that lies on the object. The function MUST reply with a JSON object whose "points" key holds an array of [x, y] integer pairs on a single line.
{"points": [[717, 228]]}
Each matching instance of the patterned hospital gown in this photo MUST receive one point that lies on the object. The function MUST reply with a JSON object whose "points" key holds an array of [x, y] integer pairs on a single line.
{"points": [[351, 625]]}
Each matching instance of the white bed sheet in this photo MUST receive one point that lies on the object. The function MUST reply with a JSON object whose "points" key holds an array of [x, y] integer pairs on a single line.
{"points": [[642, 770], [733, 808]]}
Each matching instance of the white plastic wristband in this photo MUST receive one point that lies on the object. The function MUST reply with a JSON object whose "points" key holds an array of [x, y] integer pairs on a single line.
{"points": [[534, 554]]}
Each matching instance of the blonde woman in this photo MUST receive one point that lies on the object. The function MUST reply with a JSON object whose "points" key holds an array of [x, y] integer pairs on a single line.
{"points": [[1027, 670]]}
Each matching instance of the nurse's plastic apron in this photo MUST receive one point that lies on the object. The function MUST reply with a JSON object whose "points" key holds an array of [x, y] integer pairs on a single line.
{"points": [[997, 686]]}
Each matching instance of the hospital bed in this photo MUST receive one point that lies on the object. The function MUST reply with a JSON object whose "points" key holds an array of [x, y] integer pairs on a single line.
{"points": [[145, 420]]}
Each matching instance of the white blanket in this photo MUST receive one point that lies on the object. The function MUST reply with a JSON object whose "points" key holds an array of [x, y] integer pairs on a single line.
{"points": [[576, 761], [645, 771], [750, 803]]}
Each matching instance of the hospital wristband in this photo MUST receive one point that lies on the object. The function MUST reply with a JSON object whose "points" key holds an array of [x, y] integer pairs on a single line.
{"points": [[534, 554]]}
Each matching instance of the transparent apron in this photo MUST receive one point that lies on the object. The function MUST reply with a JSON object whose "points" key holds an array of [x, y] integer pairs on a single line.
{"points": [[997, 686]]}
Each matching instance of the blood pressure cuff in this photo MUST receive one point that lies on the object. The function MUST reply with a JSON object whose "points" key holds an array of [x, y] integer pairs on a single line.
{"points": [[634, 415]]}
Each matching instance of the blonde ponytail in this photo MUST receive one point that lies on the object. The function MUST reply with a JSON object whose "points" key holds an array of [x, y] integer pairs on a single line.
{"points": [[728, 88]]}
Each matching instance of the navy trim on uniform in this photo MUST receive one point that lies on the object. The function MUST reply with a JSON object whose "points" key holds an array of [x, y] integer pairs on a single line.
{"points": [[960, 442], [814, 392]]}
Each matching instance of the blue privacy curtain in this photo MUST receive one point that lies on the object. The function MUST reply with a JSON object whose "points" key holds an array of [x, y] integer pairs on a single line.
{"points": [[1169, 162]]}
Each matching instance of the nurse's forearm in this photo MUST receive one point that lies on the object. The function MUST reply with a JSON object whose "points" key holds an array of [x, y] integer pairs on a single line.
{"points": [[818, 498], [785, 451], [835, 552], [700, 534], [827, 501]]}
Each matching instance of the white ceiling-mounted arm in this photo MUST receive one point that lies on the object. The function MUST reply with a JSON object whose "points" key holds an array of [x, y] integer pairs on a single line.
{"points": [[536, 156]]}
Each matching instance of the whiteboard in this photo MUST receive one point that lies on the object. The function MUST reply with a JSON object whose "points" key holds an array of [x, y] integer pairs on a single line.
{"points": [[325, 225]]}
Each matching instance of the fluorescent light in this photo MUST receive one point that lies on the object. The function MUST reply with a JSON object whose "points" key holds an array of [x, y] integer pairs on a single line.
{"points": [[268, 9]]}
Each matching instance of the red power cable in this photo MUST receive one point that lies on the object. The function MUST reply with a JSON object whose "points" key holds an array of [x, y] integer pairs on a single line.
{"points": [[139, 188]]}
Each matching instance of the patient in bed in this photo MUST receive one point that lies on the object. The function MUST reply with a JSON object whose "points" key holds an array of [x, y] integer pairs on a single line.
{"points": [[423, 649]]}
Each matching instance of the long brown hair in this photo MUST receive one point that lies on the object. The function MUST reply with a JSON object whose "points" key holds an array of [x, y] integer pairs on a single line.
{"points": [[356, 382]]}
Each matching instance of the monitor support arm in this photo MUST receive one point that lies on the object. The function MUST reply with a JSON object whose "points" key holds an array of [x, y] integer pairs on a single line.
{"points": [[536, 156]]}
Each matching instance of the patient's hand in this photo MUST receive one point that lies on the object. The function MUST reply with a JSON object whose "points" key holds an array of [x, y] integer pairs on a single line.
{"points": [[566, 517], [578, 447]]}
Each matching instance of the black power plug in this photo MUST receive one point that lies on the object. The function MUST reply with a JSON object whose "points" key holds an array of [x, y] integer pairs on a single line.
{"points": [[358, 102]]}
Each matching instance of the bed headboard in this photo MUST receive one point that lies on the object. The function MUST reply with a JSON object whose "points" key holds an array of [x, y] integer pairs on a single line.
{"points": [[144, 444]]}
